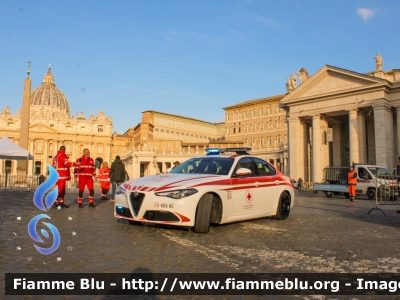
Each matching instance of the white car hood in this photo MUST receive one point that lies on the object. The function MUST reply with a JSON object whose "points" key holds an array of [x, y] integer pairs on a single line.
{"points": [[168, 181]]}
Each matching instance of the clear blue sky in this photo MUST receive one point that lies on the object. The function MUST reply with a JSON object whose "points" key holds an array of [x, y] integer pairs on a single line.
{"points": [[185, 57]]}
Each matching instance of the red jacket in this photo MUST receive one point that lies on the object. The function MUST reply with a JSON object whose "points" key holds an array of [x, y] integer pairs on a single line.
{"points": [[62, 165], [103, 174], [86, 169]]}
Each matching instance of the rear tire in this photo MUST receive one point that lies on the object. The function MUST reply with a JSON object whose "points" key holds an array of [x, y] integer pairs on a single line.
{"points": [[347, 195], [328, 194], [371, 194], [203, 214], [283, 210]]}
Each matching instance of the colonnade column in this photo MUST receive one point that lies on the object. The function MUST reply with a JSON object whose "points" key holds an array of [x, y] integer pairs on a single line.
{"points": [[383, 122], [398, 131], [353, 137], [317, 173], [296, 147]]}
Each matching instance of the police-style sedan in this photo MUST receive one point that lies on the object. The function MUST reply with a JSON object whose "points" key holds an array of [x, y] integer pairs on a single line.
{"points": [[214, 188]]}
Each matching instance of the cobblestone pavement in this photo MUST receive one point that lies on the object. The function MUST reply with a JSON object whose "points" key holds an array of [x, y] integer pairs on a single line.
{"points": [[320, 235]]}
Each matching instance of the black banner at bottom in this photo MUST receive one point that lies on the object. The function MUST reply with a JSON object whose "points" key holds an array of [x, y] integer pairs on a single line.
{"points": [[201, 284]]}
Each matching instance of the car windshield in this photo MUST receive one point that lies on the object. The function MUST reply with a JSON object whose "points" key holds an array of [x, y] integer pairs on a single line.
{"points": [[205, 165], [376, 171]]}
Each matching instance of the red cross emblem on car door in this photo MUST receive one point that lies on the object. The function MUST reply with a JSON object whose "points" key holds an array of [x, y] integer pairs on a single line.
{"points": [[249, 196]]}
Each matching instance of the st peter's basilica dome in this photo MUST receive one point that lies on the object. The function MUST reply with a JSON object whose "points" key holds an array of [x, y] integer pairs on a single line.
{"points": [[48, 96]]}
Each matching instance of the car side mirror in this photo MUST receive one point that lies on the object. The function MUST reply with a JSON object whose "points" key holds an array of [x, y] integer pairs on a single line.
{"points": [[243, 172]]}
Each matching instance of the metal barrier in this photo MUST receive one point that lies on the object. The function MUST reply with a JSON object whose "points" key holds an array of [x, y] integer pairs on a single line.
{"points": [[386, 191], [12, 181], [307, 186]]}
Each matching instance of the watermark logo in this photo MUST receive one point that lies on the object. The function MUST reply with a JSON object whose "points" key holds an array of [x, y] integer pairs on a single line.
{"points": [[42, 192]]}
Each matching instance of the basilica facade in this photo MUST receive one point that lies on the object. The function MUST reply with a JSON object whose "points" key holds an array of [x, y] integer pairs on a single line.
{"points": [[51, 125]]}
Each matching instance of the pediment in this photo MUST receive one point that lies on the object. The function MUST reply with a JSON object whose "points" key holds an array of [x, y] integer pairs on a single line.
{"points": [[41, 127], [330, 81]]}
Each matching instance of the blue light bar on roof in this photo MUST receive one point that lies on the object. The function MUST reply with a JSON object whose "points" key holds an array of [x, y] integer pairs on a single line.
{"points": [[212, 151]]}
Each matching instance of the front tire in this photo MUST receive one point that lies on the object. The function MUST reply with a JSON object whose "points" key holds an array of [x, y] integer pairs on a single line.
{"points": [[328, 194], [283, 209], [203, 214]]}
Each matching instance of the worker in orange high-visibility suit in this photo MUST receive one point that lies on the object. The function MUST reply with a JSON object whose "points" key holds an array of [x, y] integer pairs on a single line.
{"points": [[104, 180], [85, 173], [352, 183], [62, 165]]}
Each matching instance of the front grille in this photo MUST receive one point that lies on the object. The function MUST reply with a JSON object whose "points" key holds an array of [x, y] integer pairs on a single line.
{"points": [[124, 212], [136, 202], [154, 215]]}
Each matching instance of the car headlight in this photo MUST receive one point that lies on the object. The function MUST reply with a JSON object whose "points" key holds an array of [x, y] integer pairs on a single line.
{"points": [[177, 194], [121, 190]]}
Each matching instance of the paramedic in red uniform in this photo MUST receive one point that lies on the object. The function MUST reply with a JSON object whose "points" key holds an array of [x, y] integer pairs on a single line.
{"points": [[104, 181], [352, 183], [62, 165], [85, 173]]}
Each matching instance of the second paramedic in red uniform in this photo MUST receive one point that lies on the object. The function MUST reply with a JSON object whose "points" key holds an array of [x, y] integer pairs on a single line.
{"points": [[104, 180], [62, 165], [85, 173], [352, 183]]}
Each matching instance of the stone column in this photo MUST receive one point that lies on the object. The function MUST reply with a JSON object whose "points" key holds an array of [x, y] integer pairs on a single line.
{"points": [[353, 137], [383, 123], [296, 147], [46, 155], [362, 138], [317, 167], [398, 132], [74, 156]]}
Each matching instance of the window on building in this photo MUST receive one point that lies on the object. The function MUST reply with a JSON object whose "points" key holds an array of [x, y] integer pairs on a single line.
{"points": [[156, 132], [262, 126], [39, 146], [99, 149], [83, 128], [68, 148], [51, 147], [162, 133], [261, 141], [100, 128], [269, 109], [254, 127], [10, 124], [51, 125], [69, 128], [261, 112], [277, 109]]}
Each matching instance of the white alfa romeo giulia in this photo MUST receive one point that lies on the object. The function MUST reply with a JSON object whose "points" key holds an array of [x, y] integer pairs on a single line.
{"points": [[214, 188]]}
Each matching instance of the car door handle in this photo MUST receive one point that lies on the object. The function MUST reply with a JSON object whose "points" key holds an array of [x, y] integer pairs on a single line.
{"points": [[256, 184]]}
